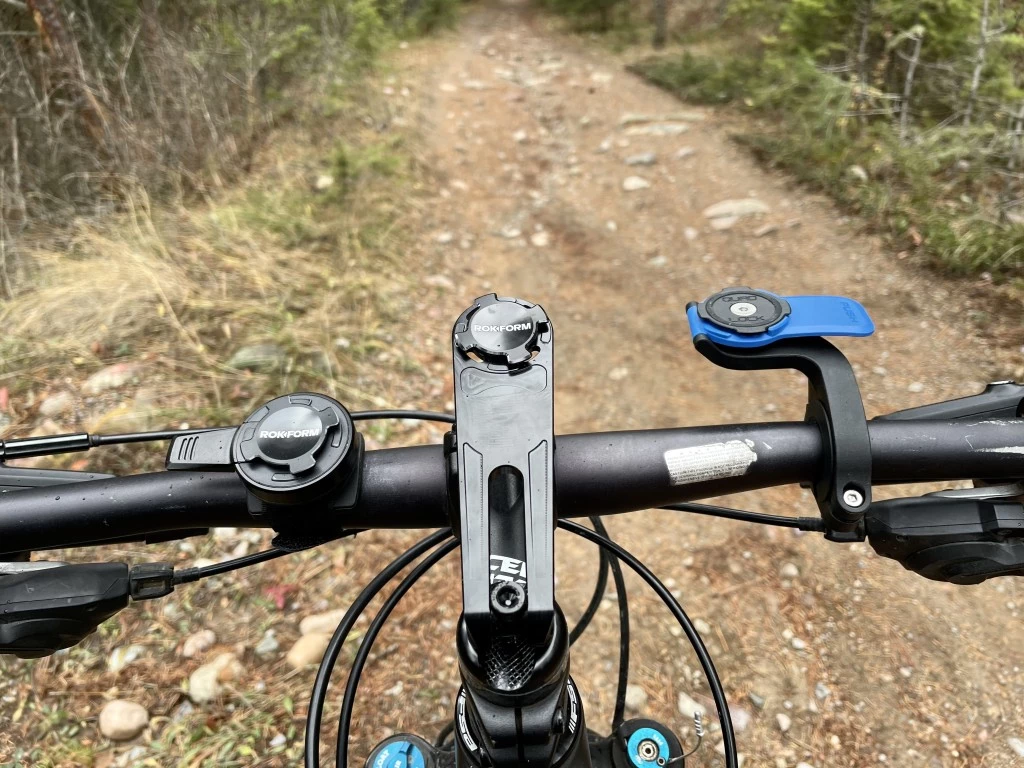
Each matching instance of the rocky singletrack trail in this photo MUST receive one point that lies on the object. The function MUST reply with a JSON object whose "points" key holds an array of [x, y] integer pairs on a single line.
{"points": [[565, 180]]}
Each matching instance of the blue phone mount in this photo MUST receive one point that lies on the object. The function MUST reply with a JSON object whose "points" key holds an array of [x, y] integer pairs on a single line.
{"points": [[745, 317], [747, 329]]}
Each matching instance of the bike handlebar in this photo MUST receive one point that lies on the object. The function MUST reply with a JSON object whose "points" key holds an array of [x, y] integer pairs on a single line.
{"points": [[595, 474]]}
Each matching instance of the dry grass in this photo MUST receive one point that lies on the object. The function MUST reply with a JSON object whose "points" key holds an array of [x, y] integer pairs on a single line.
{"points": [[319, 274]]}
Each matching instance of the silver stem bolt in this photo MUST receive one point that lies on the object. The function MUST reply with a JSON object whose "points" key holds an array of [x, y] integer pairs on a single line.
{"points": [[853, 497]]}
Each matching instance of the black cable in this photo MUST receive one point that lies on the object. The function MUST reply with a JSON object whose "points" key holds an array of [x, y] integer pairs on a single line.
{"points": [[97, 441], [188, 575], [596, 598], [442, 737], [801, 523], [714, 682], [619, 713], [447, 418], [345, 718], [323, 675]]}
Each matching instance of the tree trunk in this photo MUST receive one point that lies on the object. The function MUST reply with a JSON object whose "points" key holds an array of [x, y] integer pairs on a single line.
{"points": [[1018, 127], [866, 9], [979, 65], [908, 84], [660, 23]]}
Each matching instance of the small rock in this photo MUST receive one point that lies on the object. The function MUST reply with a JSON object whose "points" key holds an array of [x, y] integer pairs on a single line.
{"points": [[691, 234], [444, 238], [798, 644], [197, 643], [324, 623], [448, 88], [635, 183], [604, 146], [510, 233], [262, 358], [308, 649], [225, 533], [1017, 745], [906, 671], [687, 707], [765, 229], [123, 656], [111, 377], [658, 261], [631, 118], [757, 701], [57, 404], [611, 226], [267, 645], [822, 691], [723, 223], [746, 206], [205, 684], [915, 387], [278, 741], [520, 136], [658, 129], [184, 710], [122, 720], [857, 172], [741, 718], [540, 239], [684, 152], [323, 183], [439, 281], [601, 77], [789, 571], [636, 698], [644, 158], [784, 722], [618, 374], [702, 626], [880, 370]]}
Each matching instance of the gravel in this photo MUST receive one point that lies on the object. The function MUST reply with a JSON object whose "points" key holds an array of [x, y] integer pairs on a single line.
{"points": [[688, 706], [122, 720], [635, 184], [636, 698]]}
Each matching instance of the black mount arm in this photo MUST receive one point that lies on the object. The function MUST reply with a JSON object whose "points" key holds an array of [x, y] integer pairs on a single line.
{"points": [[843, 485]]}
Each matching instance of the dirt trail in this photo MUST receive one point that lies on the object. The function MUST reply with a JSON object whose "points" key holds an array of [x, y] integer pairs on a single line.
{"points": [[524, 131]]}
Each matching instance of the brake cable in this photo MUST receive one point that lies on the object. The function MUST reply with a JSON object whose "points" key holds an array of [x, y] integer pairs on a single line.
{"points": [[708, 667], [330, 658], [356, 670], [814, 524]]}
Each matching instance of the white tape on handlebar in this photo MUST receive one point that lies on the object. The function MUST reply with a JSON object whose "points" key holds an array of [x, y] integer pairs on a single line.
{"points": [[700, 463]]}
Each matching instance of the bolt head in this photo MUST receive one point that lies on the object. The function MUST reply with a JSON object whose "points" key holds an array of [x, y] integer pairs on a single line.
{"points": [[853, 498]]}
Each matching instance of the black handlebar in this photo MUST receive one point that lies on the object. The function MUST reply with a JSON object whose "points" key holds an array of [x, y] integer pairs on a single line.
{"points": [[599, 473]]}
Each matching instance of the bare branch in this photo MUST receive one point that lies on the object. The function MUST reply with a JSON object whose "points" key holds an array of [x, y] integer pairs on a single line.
{"points": [[15, 4]]}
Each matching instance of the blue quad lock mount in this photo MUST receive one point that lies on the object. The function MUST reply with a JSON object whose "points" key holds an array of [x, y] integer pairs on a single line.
{"points": [[749, 329]]}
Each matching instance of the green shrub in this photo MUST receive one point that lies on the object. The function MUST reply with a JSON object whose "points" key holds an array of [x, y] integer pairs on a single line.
{"points": [[931, 193]]}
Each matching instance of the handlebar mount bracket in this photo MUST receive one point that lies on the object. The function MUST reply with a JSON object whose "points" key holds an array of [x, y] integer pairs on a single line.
{"points": [[771, 332]]}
